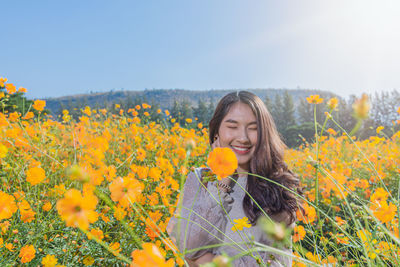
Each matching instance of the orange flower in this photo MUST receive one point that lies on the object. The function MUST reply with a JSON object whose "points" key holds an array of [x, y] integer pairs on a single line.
{"points": [[28, 115], [27, 214], [379, 195], [140, 154], [22, 90], [77, 210], [361, 107], [2, 81], [299, 233], [222, 161], [150, 256], [310, 214], [115, 247], [314, 99], [11, 89], [35, 175], [39, 105], [126, 190], [385, 213], [46, 206], [188, 120], [96, 233], [7, 206], [331, 131], [27, 253]]}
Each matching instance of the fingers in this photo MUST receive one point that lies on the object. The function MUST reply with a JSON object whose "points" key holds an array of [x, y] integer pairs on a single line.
{"points": [[215, 143]]}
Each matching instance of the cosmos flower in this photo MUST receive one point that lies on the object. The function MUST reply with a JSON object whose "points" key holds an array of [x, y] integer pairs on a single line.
{"points": [[222, 161]]}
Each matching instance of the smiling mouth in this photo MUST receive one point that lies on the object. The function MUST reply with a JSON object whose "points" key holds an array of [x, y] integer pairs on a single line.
{"points": [[241, 150]]}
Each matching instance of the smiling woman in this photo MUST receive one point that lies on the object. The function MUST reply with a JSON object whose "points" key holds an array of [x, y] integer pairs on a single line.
{"points": [[242, 123]]}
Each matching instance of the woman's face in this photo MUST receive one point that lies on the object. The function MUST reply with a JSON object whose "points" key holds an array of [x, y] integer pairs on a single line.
{"points": [[238, 131]]}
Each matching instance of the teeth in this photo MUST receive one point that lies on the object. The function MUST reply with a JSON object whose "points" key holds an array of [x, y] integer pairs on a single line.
{"points": [[241, 148]]}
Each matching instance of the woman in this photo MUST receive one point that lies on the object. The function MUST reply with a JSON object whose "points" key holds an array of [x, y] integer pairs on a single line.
{"points": [[241, 122]]}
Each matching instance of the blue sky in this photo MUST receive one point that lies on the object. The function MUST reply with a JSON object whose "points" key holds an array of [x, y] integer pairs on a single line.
{"points": [[56, 48]]}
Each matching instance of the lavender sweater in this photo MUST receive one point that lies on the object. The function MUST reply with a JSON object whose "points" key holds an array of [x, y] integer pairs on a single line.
{"points": [[208, 213]]}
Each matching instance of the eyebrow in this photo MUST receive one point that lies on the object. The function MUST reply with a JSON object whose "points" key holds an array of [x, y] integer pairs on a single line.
{"points": [[233, 121]]}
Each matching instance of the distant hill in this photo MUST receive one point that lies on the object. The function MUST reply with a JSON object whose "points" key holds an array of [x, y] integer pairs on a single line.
{"points": [[165, 97]]}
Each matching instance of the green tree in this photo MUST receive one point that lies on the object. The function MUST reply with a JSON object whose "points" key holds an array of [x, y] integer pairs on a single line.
{"points": [[201, 111]]}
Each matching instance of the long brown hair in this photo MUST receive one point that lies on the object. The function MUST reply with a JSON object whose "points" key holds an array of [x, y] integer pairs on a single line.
{"points": [[267, 161]]}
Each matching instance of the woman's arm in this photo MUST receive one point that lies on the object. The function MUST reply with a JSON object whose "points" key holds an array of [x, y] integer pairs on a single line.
{"points": [[207, 221]]}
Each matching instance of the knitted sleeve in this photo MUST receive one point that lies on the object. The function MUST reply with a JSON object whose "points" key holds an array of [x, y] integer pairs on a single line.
{"points": [[202, 218]]}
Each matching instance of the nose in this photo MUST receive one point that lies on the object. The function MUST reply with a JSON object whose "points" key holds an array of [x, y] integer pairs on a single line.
{"points": [[243, 136]]}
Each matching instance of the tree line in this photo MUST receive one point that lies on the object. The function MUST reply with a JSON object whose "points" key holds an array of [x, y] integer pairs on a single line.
{"points": [[294, 118]]}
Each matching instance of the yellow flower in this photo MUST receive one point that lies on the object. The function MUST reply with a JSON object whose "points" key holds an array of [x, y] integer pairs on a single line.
{"points": [[2, 81], [222, 161], [379, 129], [333, 103], [77, 210], [39, 105], [27, 253], [88, 260], [361, 107], [188, 120], [49, 261], [3, 151], [150, 256], [240, 224], [87, 111], [35, 175], [22, 90], [7, 206], [314, 99]]}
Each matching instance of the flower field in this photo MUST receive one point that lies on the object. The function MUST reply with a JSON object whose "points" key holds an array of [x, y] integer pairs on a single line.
{"points": [[100, 190]]}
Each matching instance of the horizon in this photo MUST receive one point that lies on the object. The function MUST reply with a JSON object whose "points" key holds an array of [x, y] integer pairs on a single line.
{"points": [[59, 49]]}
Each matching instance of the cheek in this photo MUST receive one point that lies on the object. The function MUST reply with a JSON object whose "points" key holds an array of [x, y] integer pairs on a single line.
{"points": [[253, 138], [225, 139]]}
